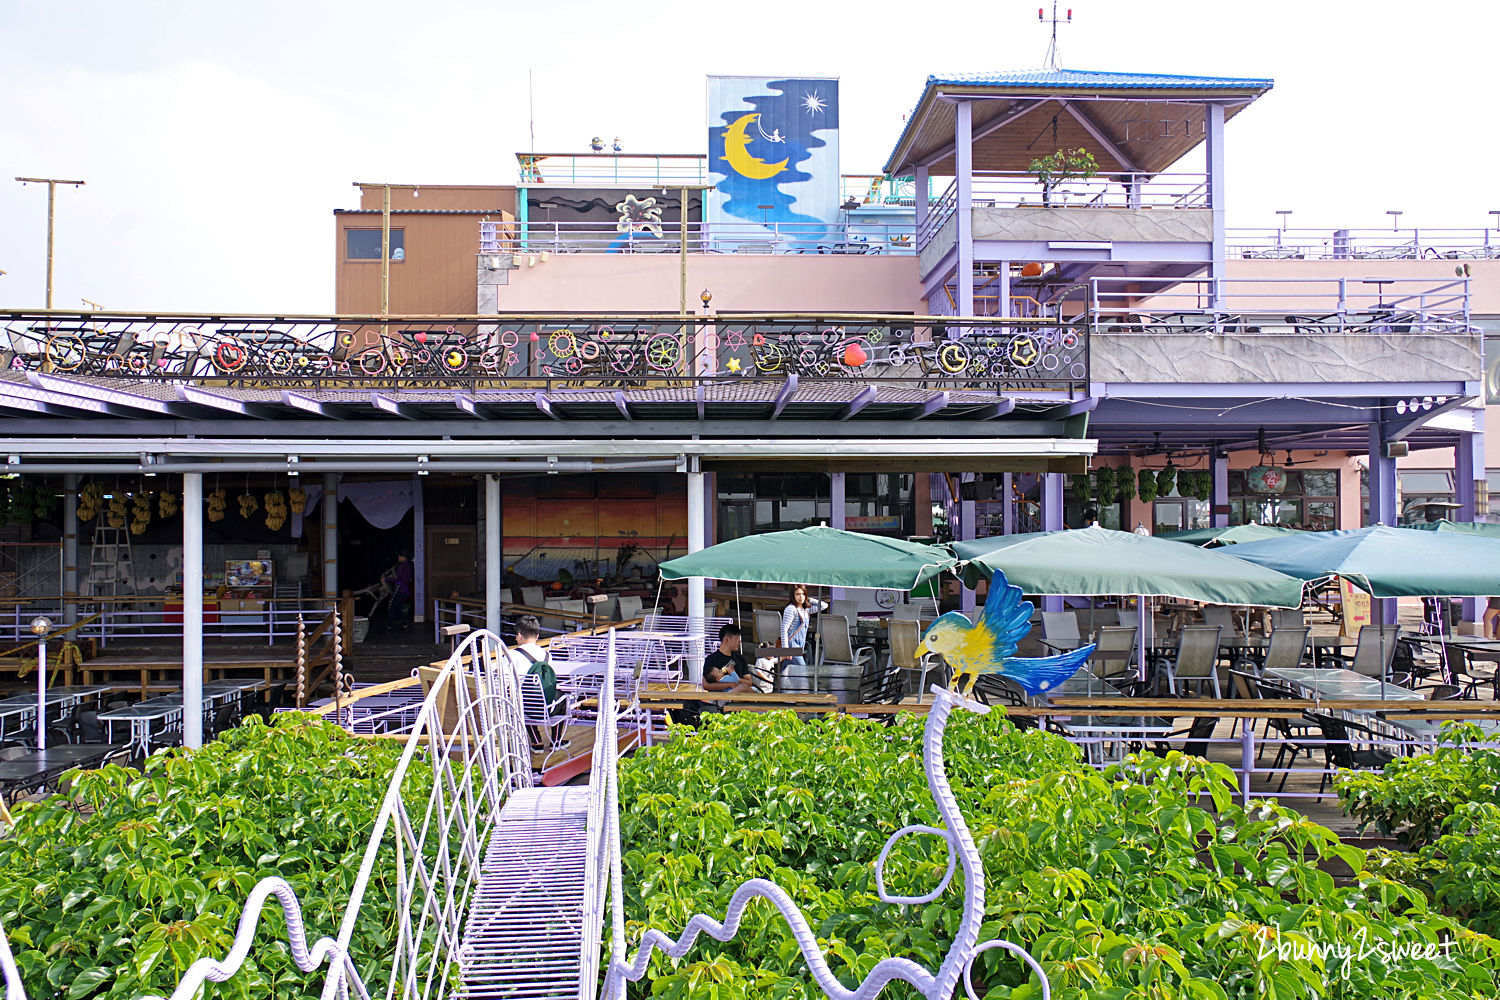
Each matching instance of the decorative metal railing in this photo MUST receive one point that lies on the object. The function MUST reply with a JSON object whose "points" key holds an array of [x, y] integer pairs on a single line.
{"points": [[539, 352], [1021, 189]]}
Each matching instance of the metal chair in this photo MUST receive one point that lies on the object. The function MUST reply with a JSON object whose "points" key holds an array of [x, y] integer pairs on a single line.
{"points": [[905, 636], [1461, 672], [1217, 615], [1287, 649], [1198, 734], [906, 613], [1287, 618], [1443, 692], [1116, 647], [548, 726], [836, 648], [1060, 630], [847, 609], [767, 628], [1375, 650], [533, 597], [1290, 731], [1197, 660], [1339, 748]]}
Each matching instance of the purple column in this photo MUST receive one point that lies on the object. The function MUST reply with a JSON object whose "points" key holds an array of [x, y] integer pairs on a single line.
{"points": [[418, 550], [1008, 504], [920, 194], [1382, 508], [836, 515], [1220, 497], [1052, 520], [1214, 150], [963, 141], [965, 532], [1468, 473]]}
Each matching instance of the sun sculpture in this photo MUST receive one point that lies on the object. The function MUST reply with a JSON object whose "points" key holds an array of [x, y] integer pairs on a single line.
{"points": [[638, 215]]}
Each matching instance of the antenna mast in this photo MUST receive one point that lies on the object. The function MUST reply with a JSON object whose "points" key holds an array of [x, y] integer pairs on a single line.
{"points": [[1041, 15]]}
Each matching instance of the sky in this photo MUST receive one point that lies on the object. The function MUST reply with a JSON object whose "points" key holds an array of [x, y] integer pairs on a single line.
{"points": [[218, 138]]}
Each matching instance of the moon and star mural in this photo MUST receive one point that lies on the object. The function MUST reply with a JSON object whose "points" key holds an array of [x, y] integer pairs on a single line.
{"points": [[773, 152]]}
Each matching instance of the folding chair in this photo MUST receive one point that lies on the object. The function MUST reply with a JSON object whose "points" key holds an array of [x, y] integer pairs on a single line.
{"points": [[836, 649], [1060, 630], [905, 637], [1116, 649], [1197, 660]]}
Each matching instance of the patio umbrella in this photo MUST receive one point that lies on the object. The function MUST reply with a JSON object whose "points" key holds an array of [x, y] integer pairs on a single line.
{"points": [[819, 556], [1387, 562], [1228, 536], [1097, 561], [1486, 528]]}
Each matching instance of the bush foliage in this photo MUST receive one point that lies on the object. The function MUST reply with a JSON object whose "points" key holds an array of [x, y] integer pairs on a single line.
{"points": [[115, 887], [1118, 884]]}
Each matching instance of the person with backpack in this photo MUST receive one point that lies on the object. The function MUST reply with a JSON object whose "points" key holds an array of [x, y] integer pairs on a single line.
{"points": [[530, 658]]}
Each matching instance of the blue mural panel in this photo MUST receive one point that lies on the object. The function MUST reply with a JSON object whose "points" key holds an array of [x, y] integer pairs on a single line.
{"points": [[773, 152]]}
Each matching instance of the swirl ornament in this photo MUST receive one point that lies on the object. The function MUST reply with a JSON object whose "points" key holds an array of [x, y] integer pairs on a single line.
{"points": [[939, 985]]}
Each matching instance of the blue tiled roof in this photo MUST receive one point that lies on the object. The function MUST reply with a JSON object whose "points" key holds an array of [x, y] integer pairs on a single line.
{"points": [[1102, 80]]}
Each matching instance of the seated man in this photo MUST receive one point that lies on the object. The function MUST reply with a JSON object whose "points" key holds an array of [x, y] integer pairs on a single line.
{"points": [[725, 668], [529, 658]]}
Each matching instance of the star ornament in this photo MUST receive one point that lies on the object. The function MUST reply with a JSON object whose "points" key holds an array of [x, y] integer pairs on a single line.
{"points": [[812, 103], [733, 364]]}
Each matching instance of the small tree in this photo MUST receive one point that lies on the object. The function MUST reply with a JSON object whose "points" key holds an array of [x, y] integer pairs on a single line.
{"points": [[1063, 165]]}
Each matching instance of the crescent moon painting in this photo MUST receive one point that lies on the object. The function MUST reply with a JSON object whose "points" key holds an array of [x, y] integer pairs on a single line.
{"points": [[737, 153]]}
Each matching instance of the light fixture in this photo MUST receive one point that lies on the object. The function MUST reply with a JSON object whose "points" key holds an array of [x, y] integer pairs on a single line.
{"points": [[12, 459], [291, 465], [1395, 214], [422, 465], [706, 297], [41, 625], [1283, 212]]}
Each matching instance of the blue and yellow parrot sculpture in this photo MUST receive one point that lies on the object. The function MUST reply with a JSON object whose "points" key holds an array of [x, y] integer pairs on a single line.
{"points": [[987, 646]]}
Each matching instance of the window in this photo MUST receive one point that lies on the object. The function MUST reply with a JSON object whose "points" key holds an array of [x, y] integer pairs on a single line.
{"points": [[364, 244], [1309, 500]]}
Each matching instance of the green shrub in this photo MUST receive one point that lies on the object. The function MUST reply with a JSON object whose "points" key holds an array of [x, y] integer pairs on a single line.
{"points": [[1117, 882], [114, 888], [1413, 796]]}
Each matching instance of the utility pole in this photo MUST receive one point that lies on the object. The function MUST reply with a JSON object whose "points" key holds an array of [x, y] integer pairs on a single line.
{"points": [[52, 183], [385, 238]]}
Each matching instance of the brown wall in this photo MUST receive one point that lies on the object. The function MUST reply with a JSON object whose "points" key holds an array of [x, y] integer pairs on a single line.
{"points": [[437, 276]]}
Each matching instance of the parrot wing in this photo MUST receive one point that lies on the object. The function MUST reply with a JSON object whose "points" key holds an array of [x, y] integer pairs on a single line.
{"points": [[1006, 617]]}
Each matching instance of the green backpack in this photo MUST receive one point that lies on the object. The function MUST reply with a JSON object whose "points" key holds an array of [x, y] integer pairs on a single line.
{"points": [[543, 669]]}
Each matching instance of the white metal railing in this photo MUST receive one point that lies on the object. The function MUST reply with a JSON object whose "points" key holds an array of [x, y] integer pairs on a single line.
{"points": [[842, 237], [274, 621], [613, 169], [467, 753], [939, 210], [1280, 306], [1019, 189], [1272, 243]]}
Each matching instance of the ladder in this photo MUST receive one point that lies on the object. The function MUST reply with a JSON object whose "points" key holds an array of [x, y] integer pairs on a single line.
{"points": [[109, 560]]}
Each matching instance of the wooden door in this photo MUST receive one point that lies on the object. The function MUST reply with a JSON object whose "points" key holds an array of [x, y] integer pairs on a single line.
{"points": [[452, 561]]}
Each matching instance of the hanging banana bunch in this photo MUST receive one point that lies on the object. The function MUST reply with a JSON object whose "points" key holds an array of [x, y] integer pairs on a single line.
{"points": [[90, 500], [248, 504], [217, 501], [116, 518], [276, 510], [166, 503], [140, 513], [298, 500]]}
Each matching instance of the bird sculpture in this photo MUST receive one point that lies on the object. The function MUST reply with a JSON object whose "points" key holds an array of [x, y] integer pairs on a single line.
{"points": [[987, 646]]}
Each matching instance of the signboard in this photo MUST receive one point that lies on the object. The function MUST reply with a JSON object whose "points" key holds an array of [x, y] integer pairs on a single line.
{"points": [[875, 522], [244, 573], [1265, 479], [1356, 608], [773, 156]]}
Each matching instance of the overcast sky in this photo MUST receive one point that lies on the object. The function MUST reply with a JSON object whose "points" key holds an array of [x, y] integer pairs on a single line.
{"points": [[217, 138]]}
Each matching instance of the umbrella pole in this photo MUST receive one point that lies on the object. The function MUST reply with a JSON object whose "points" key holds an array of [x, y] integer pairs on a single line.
{"points": [[1140, 633]]}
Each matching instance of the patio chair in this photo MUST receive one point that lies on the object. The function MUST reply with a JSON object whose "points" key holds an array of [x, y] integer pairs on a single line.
{"points": [[1198, 734], [905, 636], [997, 689], [1339, 749], [546, 724], [1374, 652], [767, 628], [1127, 616], [906, 613], [627, 608], [1116, 647], [1197, 660], [1220, 616], [836, 649], [533, 597], [1060, 630], [1461, 672], [1287, 618], [1287, 649], [848, 609], [1442, 692], [1290, 732], [880, 684]]}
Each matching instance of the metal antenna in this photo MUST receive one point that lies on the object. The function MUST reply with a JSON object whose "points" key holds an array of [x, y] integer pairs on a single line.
{"points": [[1041, 15]]}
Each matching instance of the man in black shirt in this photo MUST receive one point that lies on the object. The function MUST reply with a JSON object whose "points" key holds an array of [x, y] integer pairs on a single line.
{"points": [[725, 668]]}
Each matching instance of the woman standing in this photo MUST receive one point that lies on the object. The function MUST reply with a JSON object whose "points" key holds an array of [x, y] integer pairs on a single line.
{"points": [[794, 621]]}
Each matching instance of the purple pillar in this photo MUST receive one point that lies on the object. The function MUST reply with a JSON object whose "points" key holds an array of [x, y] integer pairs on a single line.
{"points": [[1220, 497], [1382, 508], [1052, 520], [966, 532], [1008, 504], [920, 194], [963, 142], [1468, 476], [836, 515], [1214, 150], [418, 550]]}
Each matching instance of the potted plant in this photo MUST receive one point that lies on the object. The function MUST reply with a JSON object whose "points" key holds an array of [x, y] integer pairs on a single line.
{"points": [[1063, 165]]}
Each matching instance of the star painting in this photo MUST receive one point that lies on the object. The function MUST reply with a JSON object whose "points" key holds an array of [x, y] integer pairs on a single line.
{"points": [[812, 103]]}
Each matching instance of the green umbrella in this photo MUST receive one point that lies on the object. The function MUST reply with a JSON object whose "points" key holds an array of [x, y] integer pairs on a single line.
{"points": [[1099, 562], [1387, 562], [821, 557], [1485, 528], [1228, 536]]}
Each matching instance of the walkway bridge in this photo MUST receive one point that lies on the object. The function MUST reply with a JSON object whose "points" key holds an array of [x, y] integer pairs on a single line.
{"points": [[506, 889]]}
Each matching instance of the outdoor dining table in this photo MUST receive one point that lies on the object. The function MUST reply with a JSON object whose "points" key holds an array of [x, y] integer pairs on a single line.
{"points": [[22, 707], [36, 769], [141, 715], [1105, 739], [1337, 684]]}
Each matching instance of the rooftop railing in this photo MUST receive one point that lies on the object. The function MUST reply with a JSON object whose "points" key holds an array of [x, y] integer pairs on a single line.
{"points": [[613, 169], [1279, 306], [851, 237], [1364, 244]]}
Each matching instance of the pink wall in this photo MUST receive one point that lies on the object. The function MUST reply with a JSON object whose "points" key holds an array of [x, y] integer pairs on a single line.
{"points": [[763, 283], [1484, 284]]}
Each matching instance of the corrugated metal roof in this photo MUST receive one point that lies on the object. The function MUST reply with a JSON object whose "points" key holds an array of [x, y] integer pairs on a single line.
{"points": [[1100, 79]]}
